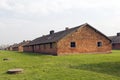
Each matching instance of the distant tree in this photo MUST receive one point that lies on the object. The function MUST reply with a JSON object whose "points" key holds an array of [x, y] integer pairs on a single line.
{"points": [[3, 46]]}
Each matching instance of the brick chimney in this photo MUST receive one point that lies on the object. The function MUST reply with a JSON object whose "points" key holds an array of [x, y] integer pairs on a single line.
{"points": [[66, 28], [118, 34], [51, 32], [24, 41]]}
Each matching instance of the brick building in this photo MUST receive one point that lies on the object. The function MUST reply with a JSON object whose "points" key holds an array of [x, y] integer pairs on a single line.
{"points": [[14, 47], [80, 39], [18, 47], [9, 48], [115, 41]]}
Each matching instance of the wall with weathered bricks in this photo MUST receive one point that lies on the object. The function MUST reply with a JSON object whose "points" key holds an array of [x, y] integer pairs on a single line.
{"points": [[46, 49], [86, 40], [15, 48], [20, 48], [42, 48], [28, 49], [116, 46]]}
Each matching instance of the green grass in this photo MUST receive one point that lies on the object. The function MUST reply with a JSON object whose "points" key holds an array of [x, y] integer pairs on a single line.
{"points": [[69, 67]]}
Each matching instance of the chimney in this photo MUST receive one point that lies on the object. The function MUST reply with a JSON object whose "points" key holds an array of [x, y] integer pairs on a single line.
{"points": [[118, 34], [66, 28], [23, 40], [52, 32]]}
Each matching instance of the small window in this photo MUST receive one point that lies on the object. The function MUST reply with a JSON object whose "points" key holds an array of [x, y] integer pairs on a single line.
{"points": [[73, 44], [99, 44], [51, 45]]}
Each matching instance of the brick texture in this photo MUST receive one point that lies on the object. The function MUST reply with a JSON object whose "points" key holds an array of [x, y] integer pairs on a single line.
{"points": [[86, 40]]}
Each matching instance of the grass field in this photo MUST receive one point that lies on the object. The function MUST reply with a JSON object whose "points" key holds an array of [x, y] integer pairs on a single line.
{"points": [[70, 67]]}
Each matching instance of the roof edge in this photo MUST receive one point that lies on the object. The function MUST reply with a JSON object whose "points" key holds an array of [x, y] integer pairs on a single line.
{"points": [[97, 31]]}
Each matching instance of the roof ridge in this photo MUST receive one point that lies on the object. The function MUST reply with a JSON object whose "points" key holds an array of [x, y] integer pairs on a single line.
{"points": [[55, 36], [63, 30]]}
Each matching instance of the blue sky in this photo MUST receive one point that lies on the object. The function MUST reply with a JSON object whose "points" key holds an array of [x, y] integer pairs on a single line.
{"points": [[28, 19]]}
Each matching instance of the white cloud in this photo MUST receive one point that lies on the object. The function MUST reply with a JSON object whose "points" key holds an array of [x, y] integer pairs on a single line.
{"points": [[27, 17], [47, 6]]}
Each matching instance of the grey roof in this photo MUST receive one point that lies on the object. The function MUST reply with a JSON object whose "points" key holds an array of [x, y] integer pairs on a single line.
{"points": [[14, 45], [24, 43], [58, 35], [115, 39], [52, 37], [20, 44]]}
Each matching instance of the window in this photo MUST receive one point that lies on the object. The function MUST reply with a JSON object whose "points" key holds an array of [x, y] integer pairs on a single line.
{"points": [[51, 45], [73, 44], [99, 44]]}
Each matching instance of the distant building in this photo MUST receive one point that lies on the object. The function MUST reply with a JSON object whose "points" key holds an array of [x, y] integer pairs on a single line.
{"points": [[15, 47], [80, 39], [115, 41], [9, 48], [18, 47]]}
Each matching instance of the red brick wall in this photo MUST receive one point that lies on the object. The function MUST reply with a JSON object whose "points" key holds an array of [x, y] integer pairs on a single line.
{"points": [[45, 48], [20, 49], [116, 46], [86, 40], [15, 48], [28, 49], [42, 48], [11, 48]]}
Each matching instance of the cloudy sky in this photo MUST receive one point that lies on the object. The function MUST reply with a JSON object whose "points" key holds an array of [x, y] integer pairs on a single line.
{"points": [[28, 19]]}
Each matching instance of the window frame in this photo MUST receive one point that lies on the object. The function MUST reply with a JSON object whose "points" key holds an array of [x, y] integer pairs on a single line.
{"points": [[99, 44], [73, 44], [51, 45]]}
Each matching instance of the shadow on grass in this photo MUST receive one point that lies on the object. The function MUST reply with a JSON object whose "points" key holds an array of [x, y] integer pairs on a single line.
{"points": [[110, 68], [35, 54]]}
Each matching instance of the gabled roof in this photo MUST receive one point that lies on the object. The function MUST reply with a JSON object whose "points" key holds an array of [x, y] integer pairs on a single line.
{"points": [[115, 39], [24, 43], [58, 35], [14, 45], [99, 32], [111, 37], [20, 44], [52, 37]]}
